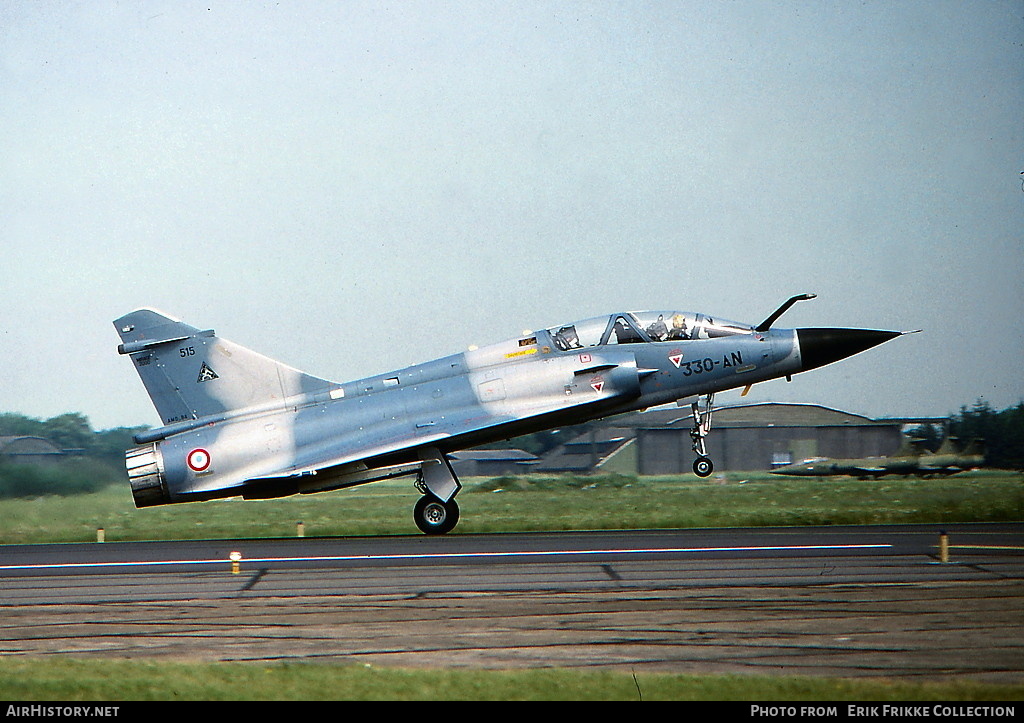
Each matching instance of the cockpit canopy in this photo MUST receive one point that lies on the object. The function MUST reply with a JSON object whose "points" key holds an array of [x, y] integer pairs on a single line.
{"points": [[643, 327]]}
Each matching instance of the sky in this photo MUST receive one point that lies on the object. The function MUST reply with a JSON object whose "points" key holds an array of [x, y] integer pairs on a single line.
{"points": [[353, 187]]}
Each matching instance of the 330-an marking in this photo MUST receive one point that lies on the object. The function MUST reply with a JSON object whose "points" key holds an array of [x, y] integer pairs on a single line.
{"points": [[707, 364]]}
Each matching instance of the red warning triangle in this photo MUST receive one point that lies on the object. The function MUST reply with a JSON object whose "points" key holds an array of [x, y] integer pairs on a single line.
{"points": [[676, 359], [598, 385]]}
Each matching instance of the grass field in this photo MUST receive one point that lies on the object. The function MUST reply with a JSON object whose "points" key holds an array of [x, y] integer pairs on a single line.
{"points": [[524, 504], [488, 506], [66, 679]]}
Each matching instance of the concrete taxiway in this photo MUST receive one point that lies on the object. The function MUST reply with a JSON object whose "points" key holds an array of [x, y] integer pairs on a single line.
{"points": [[885, 601]]}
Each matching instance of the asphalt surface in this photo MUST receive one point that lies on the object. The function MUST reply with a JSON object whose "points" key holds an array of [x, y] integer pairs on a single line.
{"points": [[833, 601]]}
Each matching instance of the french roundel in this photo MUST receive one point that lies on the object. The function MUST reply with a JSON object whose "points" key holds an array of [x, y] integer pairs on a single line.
{"points": [[198, 460]]}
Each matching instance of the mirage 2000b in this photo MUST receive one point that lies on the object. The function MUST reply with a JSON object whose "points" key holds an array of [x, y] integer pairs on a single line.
{"points": [[237, 423]]}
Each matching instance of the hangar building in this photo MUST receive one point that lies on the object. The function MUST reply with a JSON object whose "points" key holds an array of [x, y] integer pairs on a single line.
{"points": [[29, 450], [745, 437]]}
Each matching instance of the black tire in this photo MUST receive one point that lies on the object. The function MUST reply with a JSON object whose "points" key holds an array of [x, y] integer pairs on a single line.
{"points": [[435, 517], [703, 467]]}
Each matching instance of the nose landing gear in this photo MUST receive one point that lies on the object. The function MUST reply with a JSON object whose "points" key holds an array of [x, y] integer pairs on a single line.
{"points": [[702, 466]]}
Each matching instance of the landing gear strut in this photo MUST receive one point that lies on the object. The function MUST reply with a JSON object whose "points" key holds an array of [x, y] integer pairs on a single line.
{"points": [[702, 466]]}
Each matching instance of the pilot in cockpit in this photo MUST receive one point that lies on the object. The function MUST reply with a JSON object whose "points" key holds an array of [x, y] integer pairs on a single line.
{"points": [[678, 328]]}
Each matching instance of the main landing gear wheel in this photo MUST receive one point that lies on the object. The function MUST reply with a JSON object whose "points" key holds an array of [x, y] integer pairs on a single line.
{"points": [[703, 467], [435, 517]]}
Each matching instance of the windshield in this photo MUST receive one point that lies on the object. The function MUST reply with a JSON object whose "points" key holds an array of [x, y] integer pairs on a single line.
{"points": [[643, 327]]}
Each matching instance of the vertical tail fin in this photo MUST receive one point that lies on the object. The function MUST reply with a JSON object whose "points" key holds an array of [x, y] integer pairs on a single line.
{"points": [[190, 373]]}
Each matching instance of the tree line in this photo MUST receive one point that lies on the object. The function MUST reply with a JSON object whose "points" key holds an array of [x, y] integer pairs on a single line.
{"points": [[93, 459], [72, 432], [1002, 432]]}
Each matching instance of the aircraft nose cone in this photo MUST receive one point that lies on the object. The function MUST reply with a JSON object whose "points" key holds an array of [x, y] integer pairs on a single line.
{"points": [[819, 347]]}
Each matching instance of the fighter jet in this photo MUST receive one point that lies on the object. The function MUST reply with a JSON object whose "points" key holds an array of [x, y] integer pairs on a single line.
{"points": [[908, 461], [237, 423], [903, 462]]}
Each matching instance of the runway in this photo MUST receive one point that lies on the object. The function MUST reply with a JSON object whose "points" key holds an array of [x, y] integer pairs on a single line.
{"points": [[832, 601]]}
